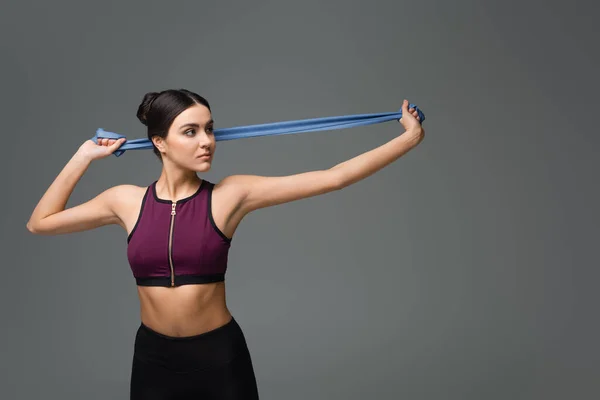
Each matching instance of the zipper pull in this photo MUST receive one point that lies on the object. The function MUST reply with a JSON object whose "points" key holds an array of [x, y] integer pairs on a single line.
{"points": [[173, 208]]}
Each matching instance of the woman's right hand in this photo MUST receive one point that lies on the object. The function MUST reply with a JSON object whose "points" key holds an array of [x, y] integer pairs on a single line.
{"points": [[104, 148]]}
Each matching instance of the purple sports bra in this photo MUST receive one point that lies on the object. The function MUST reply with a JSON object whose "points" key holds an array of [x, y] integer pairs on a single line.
{"points": [[175, 244]]}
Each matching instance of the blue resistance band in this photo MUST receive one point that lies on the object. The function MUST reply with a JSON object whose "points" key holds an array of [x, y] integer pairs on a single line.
{"points": [[271, 129]]}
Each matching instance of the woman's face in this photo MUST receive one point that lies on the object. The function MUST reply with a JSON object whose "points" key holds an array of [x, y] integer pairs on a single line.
{"points": [[191, 142]]}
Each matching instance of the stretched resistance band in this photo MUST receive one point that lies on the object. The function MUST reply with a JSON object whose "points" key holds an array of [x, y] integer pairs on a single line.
{"points": [[271, 129]]}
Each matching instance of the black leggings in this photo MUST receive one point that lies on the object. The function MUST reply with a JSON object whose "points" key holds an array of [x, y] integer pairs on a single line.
{"points": [[212, 365]]}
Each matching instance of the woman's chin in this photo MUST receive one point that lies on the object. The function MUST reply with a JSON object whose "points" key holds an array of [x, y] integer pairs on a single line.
{"points": [[202, 166]]}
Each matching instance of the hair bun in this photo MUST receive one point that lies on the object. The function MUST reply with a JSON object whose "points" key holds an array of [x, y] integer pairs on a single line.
{"points": [[145, 106]]}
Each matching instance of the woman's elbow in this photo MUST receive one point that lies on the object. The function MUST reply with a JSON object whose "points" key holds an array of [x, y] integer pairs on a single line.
{"points": [[31, 227], [36, 227], [337, 180]]}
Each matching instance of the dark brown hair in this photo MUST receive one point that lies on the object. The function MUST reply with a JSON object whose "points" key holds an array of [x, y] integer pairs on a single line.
{"points": [[158, 110]]}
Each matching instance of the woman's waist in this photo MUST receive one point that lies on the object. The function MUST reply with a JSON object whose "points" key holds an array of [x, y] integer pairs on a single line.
{"points": [[211, 349], [185, 310]]}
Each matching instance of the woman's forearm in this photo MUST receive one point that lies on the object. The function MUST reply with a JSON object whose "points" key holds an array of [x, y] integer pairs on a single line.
{"points": [[56, 196], [366, 164]]}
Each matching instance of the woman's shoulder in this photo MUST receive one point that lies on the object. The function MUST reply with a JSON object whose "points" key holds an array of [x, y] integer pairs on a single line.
{"points": [[231, 185], [126, 201], [230, 190], [126, 195], [128, 190]]}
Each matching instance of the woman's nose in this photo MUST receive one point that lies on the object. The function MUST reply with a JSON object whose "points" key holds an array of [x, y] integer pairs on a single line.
{"points": [[204, 143]]}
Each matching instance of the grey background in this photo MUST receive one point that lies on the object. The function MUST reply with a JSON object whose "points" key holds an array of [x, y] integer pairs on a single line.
{"points": [[465, 270]]}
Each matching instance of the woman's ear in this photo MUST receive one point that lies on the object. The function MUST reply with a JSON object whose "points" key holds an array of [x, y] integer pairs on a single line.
{"points": [[159, 143]]}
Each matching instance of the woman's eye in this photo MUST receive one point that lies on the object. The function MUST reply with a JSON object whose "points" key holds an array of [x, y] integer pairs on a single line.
{"points": [[191, 132]]}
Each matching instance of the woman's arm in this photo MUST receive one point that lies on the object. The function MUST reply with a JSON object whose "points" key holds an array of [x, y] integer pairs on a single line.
{"points": [[257, 192], [50, 217]]}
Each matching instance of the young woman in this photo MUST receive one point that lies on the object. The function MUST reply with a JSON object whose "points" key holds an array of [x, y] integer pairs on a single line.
{"points": [[179, 228]]}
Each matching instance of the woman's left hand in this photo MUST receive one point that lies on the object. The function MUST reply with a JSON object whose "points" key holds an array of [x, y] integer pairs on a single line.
{"points": [[411, 122]]}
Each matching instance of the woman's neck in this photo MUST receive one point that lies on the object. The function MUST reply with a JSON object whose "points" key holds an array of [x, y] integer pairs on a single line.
{"points": [[177, 184]]}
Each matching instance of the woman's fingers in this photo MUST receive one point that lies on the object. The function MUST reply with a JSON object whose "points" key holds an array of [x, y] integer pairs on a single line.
{"points": [[106, 142]]}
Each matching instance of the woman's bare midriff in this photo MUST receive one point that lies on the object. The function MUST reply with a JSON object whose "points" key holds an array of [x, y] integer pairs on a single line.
{"points": [[185, 310]]}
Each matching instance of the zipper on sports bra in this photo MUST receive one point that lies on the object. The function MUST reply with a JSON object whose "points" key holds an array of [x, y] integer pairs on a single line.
{"points": [[171, 243]]}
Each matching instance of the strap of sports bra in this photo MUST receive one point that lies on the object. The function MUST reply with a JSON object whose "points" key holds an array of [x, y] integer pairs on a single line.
{"points": [[272, 129]]}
